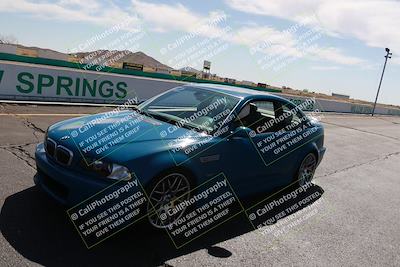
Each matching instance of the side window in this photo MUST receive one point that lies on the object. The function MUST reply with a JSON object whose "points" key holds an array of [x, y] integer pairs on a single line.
{"points": [[289, 117], [258, 116], [268, 116]]}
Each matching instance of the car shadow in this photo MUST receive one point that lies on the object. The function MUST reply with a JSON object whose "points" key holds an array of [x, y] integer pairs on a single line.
{"points": [[40, 230]]}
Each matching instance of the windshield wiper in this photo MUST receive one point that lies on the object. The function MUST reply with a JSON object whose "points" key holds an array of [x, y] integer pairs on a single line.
{"points": [[161, 117], [136, 108], [156, 115], [191, 126]]}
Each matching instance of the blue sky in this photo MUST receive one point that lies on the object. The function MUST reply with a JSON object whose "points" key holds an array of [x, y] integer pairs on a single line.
{"points": [[323, 46]]}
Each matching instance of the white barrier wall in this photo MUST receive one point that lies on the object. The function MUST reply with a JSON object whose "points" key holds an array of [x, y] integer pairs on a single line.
{"points": [[24, 81], [9, 49], [340, 106]]}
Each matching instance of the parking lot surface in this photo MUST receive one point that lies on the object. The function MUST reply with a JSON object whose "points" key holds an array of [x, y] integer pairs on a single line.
{"points": [[356, 222]]}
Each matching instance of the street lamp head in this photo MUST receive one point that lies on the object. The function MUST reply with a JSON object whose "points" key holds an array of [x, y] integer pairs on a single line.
{"points": [[387, 49]]}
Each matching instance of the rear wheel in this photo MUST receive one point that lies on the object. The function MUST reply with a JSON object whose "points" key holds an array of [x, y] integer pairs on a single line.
{"points": [[165, 195], [307, 169]]}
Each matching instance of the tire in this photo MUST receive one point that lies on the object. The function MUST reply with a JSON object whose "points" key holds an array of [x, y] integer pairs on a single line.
{"points": [[165, 193], [306, 169]]}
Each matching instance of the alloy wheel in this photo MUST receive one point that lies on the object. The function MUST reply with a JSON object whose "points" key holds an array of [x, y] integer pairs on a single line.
{"points": [[307, 169], [165, 197]]}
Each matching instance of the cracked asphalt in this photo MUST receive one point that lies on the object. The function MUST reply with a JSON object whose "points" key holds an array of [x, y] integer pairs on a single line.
{"points": [[356, 222]]}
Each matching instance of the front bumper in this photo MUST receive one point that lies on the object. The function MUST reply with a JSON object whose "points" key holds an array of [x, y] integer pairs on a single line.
{"points": [[64, 184]]}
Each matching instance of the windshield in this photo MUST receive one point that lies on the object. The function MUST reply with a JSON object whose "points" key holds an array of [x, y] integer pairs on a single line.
{"points": [[191, 107]]}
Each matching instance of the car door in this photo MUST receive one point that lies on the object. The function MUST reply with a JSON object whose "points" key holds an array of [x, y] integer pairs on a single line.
{"points": [[264, 157], [248, 163], [282, 142], [283, 154]]}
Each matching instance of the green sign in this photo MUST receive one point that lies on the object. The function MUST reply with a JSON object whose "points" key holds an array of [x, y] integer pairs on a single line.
{"points": [[72, 86], [33, 82], [1, 75]]}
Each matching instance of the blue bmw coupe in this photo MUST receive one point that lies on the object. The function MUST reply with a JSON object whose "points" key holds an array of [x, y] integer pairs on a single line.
{"points": [[179, 139]]}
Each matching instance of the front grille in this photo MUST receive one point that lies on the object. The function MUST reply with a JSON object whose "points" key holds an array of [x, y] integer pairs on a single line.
{"points": [[58, 152], [50, 146], [63, 155]]}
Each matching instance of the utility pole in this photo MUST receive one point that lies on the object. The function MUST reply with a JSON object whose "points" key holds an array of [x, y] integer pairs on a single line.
{"points": [[388, 55]]}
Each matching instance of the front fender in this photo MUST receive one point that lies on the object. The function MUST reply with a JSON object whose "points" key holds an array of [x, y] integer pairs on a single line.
{"points": [[150, 166]]}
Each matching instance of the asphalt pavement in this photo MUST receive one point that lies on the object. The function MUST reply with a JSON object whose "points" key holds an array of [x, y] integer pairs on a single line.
{"points": [[356, 221]]}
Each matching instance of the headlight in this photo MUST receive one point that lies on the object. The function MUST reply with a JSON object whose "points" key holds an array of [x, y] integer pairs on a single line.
{"points": [[109, 170], [119, 172]]}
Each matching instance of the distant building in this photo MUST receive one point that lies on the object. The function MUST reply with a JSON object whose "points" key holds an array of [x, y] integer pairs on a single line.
{"points": [[175, 72], [162, 70], [26, 52], [116, 65], [230, 80], [341, 96], [132, 66], [73, 58], [149, 69], [217, 78], [262, 85], [188, 73], [248, 83]]}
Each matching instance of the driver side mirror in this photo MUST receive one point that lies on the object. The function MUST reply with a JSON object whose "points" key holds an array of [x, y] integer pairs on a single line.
{"points": [[241, 132]]}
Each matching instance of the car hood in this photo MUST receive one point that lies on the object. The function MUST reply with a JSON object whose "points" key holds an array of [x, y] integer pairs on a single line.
{"points": [[86, 130]]}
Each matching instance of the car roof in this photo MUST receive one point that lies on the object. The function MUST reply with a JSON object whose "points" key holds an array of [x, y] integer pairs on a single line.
{"points": [[231, 90]]}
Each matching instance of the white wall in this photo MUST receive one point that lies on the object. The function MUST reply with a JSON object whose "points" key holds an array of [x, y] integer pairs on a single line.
{"points": [[9, 49]]}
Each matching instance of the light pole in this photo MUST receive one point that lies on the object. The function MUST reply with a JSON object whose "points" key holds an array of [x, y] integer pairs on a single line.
{"points": [[388, 55]]}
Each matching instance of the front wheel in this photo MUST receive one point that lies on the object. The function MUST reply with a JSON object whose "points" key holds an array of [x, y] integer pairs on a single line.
{"points": [[306, 170], [166, 195]]}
